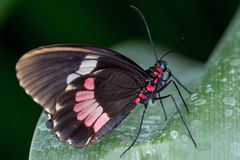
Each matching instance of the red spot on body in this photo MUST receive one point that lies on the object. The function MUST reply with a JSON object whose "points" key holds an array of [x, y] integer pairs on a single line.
{"points": [[160, 72], [155, 81], [132, 110], [142, 96], [137, 100], [150, 88], [89, 83], [100, 122], [156, 73]]}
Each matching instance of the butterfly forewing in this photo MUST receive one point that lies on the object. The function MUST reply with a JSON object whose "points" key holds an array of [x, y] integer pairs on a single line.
{"points": [[45, 72], [87, 90]]}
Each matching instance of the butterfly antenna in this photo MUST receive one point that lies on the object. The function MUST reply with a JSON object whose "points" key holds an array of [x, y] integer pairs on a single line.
{"points": [[147, 28], [172, 50]]}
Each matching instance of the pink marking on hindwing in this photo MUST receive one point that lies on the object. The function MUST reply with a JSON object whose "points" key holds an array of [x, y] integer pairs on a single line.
{"points": [[89, 83], [92, 117], [86, 112], [83, 105], [84, 95], [101, 121]]}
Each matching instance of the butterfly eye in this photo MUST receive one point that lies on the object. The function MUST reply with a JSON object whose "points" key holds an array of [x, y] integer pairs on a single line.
{"points": [[163, 65]]}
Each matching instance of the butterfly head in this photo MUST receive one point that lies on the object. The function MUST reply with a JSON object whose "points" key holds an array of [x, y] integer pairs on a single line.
{"points": [[162, 64]]}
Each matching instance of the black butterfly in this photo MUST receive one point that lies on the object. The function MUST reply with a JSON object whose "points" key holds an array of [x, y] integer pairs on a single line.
{"points": [[87, 91]]}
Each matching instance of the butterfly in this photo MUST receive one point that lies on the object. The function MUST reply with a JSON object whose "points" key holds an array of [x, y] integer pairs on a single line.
{"points": [[88, 91]]}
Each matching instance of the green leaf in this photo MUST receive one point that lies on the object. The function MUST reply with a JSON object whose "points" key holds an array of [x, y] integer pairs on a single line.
{"points": [[213, 121], [46, 146]]}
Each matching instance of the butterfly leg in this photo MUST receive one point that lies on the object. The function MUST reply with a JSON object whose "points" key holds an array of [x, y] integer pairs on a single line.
{"points": [[185, 88], [49, 123], [180, 94], [139, 130], [175, 78], [178, 110], [163, 108]]}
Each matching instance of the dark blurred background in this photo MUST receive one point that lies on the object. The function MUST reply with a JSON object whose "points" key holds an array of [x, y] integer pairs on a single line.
{"points": [[27, 24]]}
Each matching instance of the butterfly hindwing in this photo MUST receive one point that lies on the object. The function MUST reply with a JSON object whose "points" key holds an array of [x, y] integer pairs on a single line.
{"points": [[94, 105], [114, 121]]}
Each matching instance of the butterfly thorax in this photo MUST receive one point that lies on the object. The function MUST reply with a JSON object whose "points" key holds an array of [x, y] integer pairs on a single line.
{"points": [[154, 83]]}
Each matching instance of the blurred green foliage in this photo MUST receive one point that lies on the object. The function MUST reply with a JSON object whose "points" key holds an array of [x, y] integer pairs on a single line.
{"points": [[27, 24]]}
